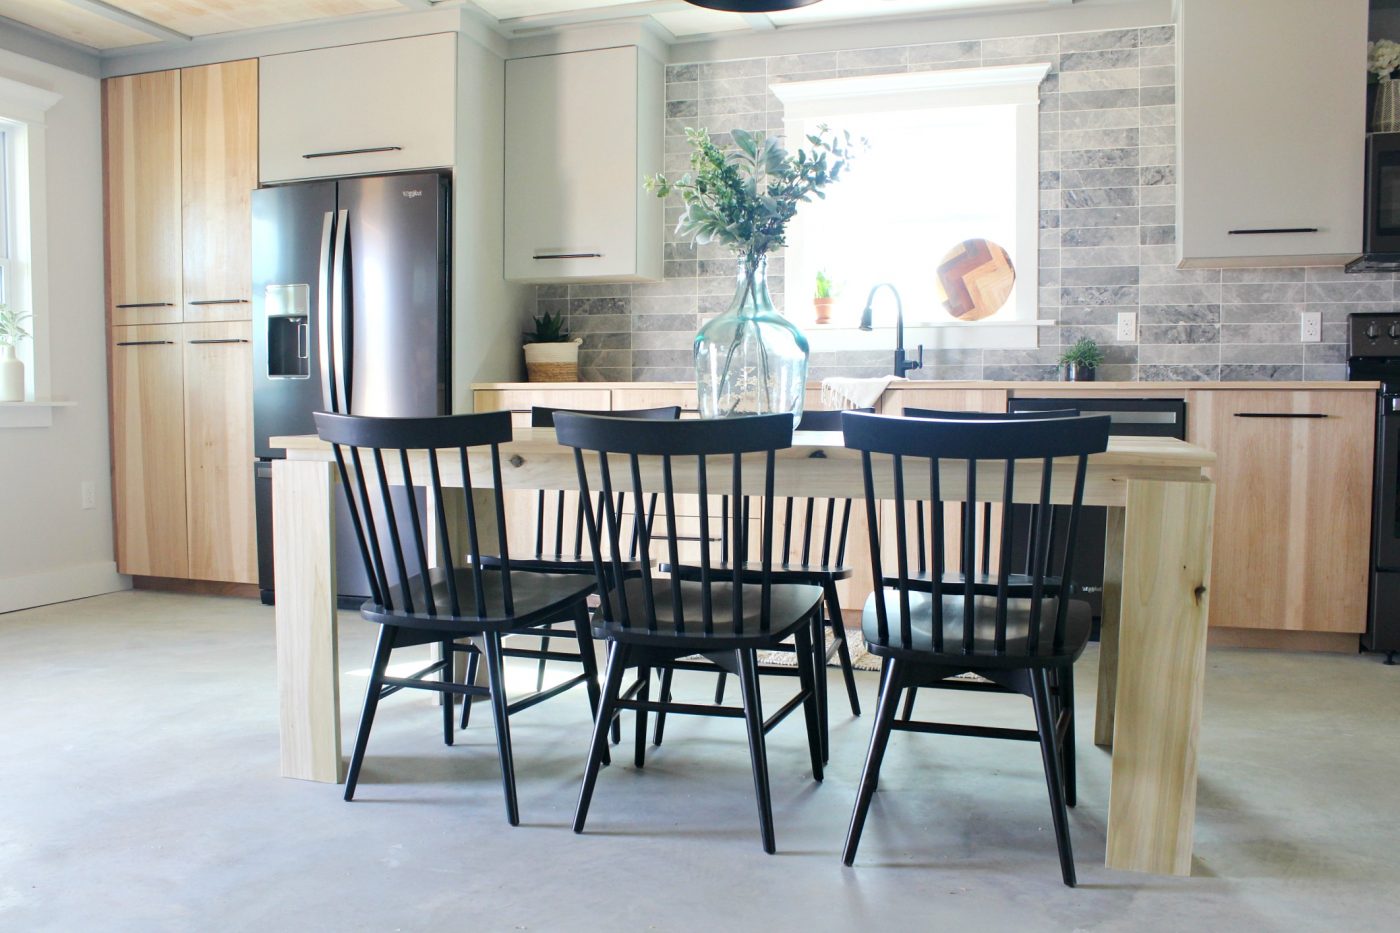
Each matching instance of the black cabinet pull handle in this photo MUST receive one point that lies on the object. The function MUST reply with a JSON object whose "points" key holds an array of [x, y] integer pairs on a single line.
{"points": [[220, 301], [345, 152], [149, 304], [221, 340], [143, 343], [1273, 230], [568, 256], [1280, 414]]}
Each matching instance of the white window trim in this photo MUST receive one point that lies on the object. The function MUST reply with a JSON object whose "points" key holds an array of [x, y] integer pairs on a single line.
{"points": [[28, 107], [1018, 85]]}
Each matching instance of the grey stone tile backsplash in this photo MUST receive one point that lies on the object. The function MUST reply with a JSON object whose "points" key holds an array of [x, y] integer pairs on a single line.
{"points": [[1107, 218]]}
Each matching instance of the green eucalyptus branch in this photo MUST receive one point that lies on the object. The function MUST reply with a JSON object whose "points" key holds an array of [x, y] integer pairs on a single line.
{"points": [[744, 197]]}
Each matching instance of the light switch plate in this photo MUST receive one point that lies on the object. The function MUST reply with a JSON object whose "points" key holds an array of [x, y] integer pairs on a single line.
{"points": [[1127, 326], [88, 491], [1311, 327]]}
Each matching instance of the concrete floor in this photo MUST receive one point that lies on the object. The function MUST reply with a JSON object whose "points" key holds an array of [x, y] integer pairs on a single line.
{"points": [[139, 791]]}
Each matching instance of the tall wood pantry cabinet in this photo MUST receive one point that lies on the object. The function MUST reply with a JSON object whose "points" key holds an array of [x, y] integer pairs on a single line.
{"points": [[180, 150]]}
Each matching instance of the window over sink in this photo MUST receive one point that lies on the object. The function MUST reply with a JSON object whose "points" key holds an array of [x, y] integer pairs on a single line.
{"points": [[953, 157]]}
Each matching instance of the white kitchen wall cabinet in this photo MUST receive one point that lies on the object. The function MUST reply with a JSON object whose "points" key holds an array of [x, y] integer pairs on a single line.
{"points": [[582, 129], [358, 109], [1271, 131]]}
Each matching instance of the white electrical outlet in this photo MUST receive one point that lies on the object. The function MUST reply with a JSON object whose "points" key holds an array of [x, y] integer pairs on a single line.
{"points": [[1311, 327], [1127, 326], [89, 494]]}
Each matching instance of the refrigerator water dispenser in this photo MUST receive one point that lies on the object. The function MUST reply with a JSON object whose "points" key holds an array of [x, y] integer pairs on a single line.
{"points": [[288, 334]]}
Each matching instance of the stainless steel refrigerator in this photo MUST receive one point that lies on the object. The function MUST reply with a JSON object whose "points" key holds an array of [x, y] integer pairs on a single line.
{"points": [[351, 299]]}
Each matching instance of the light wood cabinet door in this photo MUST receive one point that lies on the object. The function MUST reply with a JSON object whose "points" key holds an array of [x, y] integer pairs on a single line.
{"points": [[219, 170], [1292, 506], [218, 477], [148, 450], [141, 119]]}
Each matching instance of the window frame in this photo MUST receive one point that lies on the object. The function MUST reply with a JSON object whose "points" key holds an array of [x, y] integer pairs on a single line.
{"points": [[1014, 85]]}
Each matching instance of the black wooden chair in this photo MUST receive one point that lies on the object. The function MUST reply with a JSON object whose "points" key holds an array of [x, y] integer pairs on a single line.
{"points": [[1019, 583], [933, 629], [651, 622], [813, 551], [416, 603]]}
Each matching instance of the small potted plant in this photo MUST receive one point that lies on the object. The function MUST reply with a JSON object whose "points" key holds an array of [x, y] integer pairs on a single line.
{"points": [[551, 355], [11, 367], [1080, 360], [823, 297]]}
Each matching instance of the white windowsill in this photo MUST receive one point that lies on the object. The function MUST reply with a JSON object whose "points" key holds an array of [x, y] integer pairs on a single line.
{"points": [[933, 335], [37, 413]]}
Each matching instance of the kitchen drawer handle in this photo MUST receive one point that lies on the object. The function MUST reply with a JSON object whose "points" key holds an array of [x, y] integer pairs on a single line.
{"points": [[568, 256], [1280, 414], [1248, 232], [220, 301], [143, 343], [149, 304], [221, 340], [344, 152]]}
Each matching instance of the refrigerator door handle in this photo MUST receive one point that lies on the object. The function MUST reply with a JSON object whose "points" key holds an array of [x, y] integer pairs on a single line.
{"points": [[340, 295], [324, 313]]}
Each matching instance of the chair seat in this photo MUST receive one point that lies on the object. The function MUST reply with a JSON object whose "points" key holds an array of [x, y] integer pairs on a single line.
{"points": [[537, 597], [984, 584], [791, 606], [1078, 622]]}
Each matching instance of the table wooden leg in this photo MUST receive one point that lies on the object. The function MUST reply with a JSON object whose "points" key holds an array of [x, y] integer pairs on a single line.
{"points": [[1112, 598], [1161, 675], [308, 670]]}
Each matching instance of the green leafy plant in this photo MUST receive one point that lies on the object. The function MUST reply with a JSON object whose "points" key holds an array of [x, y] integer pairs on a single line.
{"points": [[1085, 352], [743, 197], [12, 325], [549, 328], [825, 288]]}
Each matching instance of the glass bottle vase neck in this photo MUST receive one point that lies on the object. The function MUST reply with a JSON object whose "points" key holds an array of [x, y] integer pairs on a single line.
{"points": [[751, 296]]}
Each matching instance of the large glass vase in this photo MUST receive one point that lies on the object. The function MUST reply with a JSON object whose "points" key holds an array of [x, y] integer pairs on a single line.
{"points": [[750, 360]]}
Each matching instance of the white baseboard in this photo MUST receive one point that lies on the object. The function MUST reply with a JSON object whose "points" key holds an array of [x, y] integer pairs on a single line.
{"points": [[61, 585]]}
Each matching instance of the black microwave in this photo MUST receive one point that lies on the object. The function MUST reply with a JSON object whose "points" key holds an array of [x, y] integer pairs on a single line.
{"points": [[1381, 241]]}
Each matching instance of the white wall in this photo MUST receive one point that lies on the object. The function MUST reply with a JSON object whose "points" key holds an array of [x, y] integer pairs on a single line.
{"points": [[50, 549]]}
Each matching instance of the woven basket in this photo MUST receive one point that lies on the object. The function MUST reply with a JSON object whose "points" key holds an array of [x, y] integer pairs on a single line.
{"points": [[552, 362]]}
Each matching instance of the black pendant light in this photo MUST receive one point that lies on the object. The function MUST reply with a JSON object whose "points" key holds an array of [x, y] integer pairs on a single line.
{"points": [[751, 6]]}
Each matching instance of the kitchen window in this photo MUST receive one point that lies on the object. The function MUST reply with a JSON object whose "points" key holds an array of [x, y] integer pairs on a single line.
{"points": [[7, 217], [953, 157]]}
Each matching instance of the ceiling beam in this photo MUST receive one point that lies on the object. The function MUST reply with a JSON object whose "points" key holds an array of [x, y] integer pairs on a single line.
{"points": [[139, 23]]}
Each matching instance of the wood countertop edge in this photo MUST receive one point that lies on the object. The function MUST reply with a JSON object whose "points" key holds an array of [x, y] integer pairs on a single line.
{"points": [[1038, 389]]}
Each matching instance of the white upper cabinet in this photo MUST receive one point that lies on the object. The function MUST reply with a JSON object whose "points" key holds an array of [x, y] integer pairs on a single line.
{"points": [[1271, 131], [358, 109], [582, 129]]}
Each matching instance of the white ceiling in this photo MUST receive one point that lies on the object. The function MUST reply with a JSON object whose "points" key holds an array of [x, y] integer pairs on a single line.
{"points": [[110, 25]]}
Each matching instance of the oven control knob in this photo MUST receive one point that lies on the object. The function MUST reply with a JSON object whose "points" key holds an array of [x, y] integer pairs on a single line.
{"points": [[1394, 331], [1371, 332]]}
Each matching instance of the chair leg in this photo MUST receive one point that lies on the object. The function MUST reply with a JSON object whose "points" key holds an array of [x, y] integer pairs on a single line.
{"points": [[879, 738], [817, 649], [758, 752], [376, 674], [639, 753], [495, 673], [1067, 747], [808, 659], [612, 686], [843, 648], [1049, 753], [908, 712], [584, 634], [544, 646], [665, 697], [447, 708], [473, 658], [719, 688]]}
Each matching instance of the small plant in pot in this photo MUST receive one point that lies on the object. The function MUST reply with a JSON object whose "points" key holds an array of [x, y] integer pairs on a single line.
{"points": [[823, 297], [1081, 360], [551, 355], [11, 367]]}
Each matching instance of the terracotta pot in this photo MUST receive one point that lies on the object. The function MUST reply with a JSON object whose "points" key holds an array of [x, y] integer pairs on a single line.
{"points": [[552, 362], [823, 307]]}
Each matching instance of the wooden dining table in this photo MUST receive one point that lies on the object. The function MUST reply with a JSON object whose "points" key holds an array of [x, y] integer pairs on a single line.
{"points": [[1153, 637]]}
